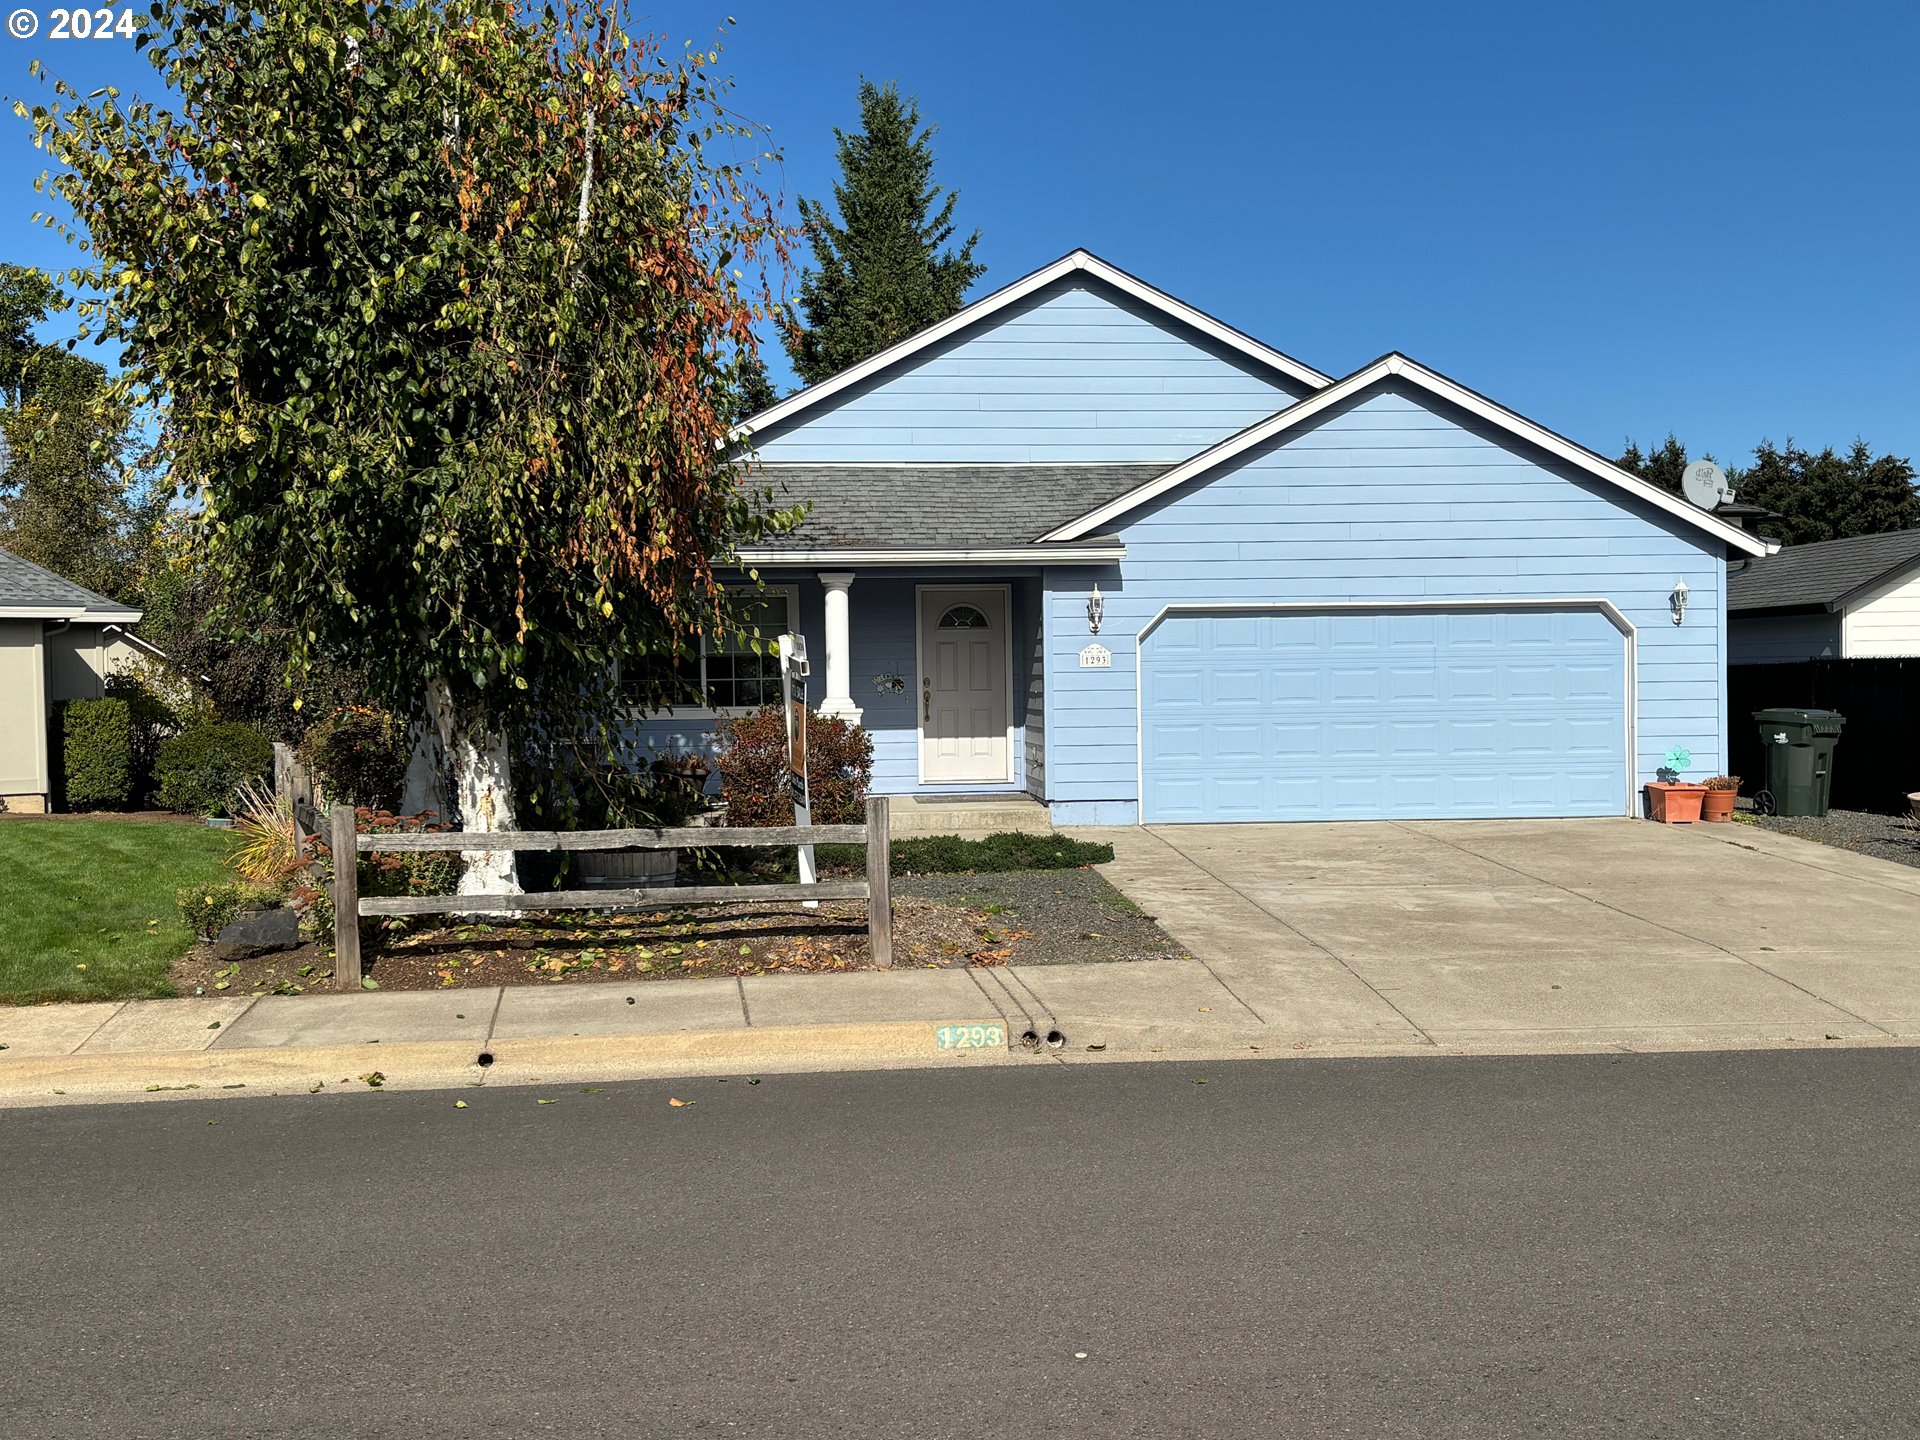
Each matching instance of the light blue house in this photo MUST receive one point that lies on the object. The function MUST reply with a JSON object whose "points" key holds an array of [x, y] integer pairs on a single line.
{"points": [[1081, 541]]}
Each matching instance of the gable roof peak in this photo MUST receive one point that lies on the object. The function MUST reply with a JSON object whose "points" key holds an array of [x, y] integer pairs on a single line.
{"points": [[1076, 261], [1396, 365]]}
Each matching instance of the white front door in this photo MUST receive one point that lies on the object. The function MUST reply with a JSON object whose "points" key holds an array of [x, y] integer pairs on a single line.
{"points": [[963, 686]]}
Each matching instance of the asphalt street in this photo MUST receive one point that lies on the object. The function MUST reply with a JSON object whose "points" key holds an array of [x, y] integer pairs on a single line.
{"points": [[1700, 1245]]}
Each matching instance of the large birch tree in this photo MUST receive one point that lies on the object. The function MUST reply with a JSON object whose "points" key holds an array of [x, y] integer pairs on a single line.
{"points": [[442, 301]]}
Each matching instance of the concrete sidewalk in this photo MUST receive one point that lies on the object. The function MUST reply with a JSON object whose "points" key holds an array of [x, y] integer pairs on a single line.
{"points": [[522, 1033]]}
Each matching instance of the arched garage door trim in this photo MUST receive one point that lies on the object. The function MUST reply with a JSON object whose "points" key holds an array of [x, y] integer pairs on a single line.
{"points": [[1628, 634]]}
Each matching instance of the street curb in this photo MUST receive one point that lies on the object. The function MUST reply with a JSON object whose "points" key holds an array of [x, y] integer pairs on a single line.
{"points": [[433, 1065], [114, 1077]]}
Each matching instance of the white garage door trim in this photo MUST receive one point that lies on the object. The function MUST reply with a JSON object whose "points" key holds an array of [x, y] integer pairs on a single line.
{"points": [[1630, 639]]}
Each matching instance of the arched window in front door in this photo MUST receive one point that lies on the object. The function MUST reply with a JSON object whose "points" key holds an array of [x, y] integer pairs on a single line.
{"points": [[963, 617]]}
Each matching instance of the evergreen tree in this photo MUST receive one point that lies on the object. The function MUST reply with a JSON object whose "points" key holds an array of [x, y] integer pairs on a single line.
{"points": [[1663, 465], [74, 495], [880, 274], [750, 390], [1828, 496]]}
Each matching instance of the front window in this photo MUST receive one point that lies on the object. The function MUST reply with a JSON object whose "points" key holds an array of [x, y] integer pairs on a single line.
{"points": [[728, 674]]}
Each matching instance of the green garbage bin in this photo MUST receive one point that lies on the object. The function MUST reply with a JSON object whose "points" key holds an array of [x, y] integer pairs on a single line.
{"points": [[1799, 757]]}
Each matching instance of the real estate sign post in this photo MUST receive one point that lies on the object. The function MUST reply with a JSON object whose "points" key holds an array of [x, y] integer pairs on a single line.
{"points": [[793, 692]]}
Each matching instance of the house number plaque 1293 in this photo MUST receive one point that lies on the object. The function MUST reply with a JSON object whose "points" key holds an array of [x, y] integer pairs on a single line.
{"points": [[1096, 657], [969, 1037]]}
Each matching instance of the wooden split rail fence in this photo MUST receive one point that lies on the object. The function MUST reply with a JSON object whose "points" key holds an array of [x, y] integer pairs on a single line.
{"points": [[349, 905]]}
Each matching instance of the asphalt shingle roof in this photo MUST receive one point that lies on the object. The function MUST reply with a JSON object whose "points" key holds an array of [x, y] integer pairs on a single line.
{"points": [[27, 586], [1808, 575], [918, 507]]}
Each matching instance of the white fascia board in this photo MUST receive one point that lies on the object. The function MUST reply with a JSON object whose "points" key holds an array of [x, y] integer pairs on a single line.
{"points": [[41, 612], [1080, 261], [1007, 555], [1400, 366], [146, 647]]}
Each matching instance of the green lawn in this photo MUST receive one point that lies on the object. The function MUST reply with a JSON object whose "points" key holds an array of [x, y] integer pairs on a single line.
{"points": [[86, 892]]}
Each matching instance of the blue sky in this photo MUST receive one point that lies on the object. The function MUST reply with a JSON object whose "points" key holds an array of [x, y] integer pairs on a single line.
{"points": [[1617, 219]]}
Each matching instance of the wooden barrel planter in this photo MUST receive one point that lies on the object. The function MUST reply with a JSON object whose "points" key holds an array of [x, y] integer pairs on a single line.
{"points": [[626, 869]]}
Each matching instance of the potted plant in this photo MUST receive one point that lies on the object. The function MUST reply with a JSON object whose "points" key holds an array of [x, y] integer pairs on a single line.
{"points": [[621, 800], [1717, 803], [1671, 800]]}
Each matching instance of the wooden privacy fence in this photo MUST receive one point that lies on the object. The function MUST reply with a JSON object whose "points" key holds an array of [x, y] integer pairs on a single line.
{"points": [[1878, 758], [349, 904]]}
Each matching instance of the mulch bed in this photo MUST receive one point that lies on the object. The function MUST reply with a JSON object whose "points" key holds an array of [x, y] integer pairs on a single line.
{"points": [[1042, 917]]}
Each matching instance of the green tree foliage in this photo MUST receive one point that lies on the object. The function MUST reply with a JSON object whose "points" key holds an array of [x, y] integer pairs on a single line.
{"points": [[442, 297], [879, 273], [73, 495], [1663, 464], [244, 670], [1829, 496], [1824, 496], [752, 390]]}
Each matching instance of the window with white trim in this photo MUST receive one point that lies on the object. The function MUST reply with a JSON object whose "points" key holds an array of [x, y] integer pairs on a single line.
{"points": [[728, 675]]}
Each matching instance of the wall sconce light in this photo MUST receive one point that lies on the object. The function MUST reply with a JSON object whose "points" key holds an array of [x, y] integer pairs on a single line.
{"points": [[1678, 600], [1096, 609]]}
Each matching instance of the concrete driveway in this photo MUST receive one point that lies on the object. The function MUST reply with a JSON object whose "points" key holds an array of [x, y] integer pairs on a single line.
{"points": [[1537, 934]]}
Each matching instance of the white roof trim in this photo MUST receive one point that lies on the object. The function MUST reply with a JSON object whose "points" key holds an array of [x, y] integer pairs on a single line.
{"points": [[68, 612], [145, 646], [1468, 400], [1080, 261], [1083, 554]]}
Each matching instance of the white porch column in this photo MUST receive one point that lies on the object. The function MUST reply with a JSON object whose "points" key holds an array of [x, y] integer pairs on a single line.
{"points": [[839, 697]]}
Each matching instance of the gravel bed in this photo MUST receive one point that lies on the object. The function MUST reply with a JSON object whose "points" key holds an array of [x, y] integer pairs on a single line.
{"points": [[1884, 837], [1062, 917]]}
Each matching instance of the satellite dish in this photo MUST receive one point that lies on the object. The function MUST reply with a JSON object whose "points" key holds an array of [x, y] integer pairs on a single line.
{"points": [[1705, 484]]}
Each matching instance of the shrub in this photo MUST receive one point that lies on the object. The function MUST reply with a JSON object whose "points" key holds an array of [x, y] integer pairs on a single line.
{"points": [[360, 754], [403, 872], [208, 909], [154, 719], [1723, 782], [753, 769], [199, 769], [267, 849], [97, 749], [950, 855]]}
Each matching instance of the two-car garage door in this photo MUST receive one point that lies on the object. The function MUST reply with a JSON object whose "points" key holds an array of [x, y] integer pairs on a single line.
{"points": [[1382, 714]]}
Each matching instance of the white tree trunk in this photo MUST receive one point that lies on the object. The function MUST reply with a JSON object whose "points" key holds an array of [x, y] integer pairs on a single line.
{"points": [[481, 789]]}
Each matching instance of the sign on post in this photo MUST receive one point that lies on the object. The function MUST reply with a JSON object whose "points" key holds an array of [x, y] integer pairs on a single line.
{"points": [[793, 693]]}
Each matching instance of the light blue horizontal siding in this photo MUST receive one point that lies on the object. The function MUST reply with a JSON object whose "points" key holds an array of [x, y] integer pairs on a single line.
{"points": [[881, 619], [1075, 372], [1776, 639], [1411, 518]]}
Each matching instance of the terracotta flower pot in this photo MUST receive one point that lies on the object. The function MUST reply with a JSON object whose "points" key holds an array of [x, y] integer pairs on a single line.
{"points": [[1675, 804], [1718, 804]]}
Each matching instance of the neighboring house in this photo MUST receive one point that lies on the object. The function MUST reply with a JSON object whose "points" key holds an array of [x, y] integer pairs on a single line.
{"points": [[58, 641], [1839, 599], [1085, 542]]}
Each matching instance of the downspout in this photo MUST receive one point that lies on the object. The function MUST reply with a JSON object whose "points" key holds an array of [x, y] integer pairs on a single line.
{"points": [[43, 737], [53, 628]]}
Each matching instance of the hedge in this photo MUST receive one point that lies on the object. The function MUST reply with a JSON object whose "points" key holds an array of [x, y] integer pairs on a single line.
{"points": [[97, 754], [199, 768]]}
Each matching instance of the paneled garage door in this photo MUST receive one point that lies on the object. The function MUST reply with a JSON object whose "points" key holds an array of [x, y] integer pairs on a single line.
{"points": [[1382, 714]]}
